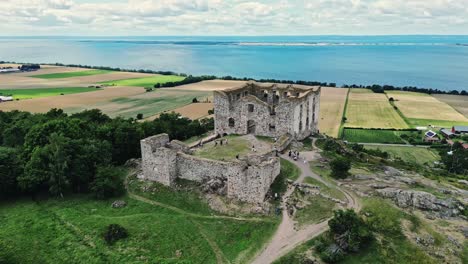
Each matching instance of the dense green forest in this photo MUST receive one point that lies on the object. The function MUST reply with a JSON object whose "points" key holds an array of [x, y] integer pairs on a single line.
{"points": [[56, 153]]}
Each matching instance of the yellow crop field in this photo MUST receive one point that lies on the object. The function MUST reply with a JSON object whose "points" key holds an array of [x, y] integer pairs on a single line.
{"points": [[371, 110], [424, 109], [332, 102]]}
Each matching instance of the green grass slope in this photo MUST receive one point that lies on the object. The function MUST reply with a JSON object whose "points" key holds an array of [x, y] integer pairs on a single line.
{"points": [[164, 227]]}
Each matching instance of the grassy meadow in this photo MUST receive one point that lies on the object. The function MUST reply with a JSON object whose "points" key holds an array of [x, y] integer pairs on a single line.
{"points": [[332, 103], [146, 81], [62, 75], [164, 227], [371, 110], [410, 154], [43, 92], [378, 136]]}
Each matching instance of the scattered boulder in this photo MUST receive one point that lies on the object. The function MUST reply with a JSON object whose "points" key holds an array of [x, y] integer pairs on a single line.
{"points": [[119, 204], [390, 171]]}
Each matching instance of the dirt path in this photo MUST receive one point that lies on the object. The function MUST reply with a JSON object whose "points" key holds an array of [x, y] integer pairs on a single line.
{"points": [[287, 237]]}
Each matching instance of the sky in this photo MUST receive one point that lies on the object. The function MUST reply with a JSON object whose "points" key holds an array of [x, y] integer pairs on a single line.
{"points": [[232, 17]]}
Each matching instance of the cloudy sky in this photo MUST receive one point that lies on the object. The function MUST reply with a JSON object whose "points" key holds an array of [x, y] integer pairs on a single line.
{"points": [[232, 17]]}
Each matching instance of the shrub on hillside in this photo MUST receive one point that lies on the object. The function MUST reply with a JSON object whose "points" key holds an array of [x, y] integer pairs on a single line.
{"points": [[114, 232], [349, 231], [340, 167], [108, 183]]}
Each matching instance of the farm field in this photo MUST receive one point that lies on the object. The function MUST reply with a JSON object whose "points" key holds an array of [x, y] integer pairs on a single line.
{"points": [[170, 227], [146, 81], [77, 101], [192, 111], [146, 103], [459, 102], [371, 110], [418, 107], [70, 74], [211, 85], [43, 92], [378, 136], [410, 154], [332, 103]]}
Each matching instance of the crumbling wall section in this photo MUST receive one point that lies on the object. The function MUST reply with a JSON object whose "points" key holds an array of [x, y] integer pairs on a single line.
{"points": [[158, 161]]}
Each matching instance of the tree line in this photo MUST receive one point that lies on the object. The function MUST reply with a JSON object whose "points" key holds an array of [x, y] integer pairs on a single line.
{"points": [[58, 154]]}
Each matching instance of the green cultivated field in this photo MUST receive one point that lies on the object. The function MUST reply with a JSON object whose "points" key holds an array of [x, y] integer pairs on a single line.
{"points": [[378, 136], [70, 74], [44, 92], [146, 81], [164, 227], [410, 154], [438, 123]]}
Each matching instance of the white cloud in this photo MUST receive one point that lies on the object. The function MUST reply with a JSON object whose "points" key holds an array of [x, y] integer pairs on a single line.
{"points": [[224, 17]]}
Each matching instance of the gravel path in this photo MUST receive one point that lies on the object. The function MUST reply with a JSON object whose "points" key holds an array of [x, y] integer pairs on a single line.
{"points": [[287, 237]]}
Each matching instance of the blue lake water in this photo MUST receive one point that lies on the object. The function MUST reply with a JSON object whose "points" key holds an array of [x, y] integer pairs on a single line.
{"points": [[425, 61]]}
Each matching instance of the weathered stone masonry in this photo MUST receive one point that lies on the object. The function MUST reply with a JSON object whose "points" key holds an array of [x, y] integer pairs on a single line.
{"points": [[247, 180], [270, 110]]}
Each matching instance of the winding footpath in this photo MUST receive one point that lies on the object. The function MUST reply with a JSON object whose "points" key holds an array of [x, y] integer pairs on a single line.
{"points": [[287, 237]]}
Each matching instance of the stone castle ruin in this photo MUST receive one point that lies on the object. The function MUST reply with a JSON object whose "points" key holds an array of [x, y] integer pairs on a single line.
{"points": [[270, 110], [285, 112], [247, 179]]}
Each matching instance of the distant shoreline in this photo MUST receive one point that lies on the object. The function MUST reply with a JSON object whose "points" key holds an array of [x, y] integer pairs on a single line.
{"points": [[378, 88]]}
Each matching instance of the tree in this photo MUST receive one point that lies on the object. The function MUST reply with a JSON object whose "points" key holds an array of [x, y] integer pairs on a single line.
{"points": [[59, 160], [139, 116], [350, 232], [10, 168], [194, 100], [108, 183], [340, 167]]}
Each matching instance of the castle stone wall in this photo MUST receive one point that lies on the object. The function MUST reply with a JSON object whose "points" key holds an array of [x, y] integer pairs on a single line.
{"points": [[247, 180]]}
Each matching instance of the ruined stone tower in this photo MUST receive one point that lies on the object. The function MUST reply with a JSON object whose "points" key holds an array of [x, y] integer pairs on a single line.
{"points": [[270, 110]]}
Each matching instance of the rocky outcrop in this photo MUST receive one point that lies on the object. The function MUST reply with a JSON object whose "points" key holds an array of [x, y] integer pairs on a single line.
{"points": [[422, 200]]}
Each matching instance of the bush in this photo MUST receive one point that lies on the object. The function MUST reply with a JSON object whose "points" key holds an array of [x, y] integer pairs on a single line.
{"points": [[139, 116], [340, 167], [108, 183], [350, 232], [114, 232], [195, 100], [211, 111]]}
